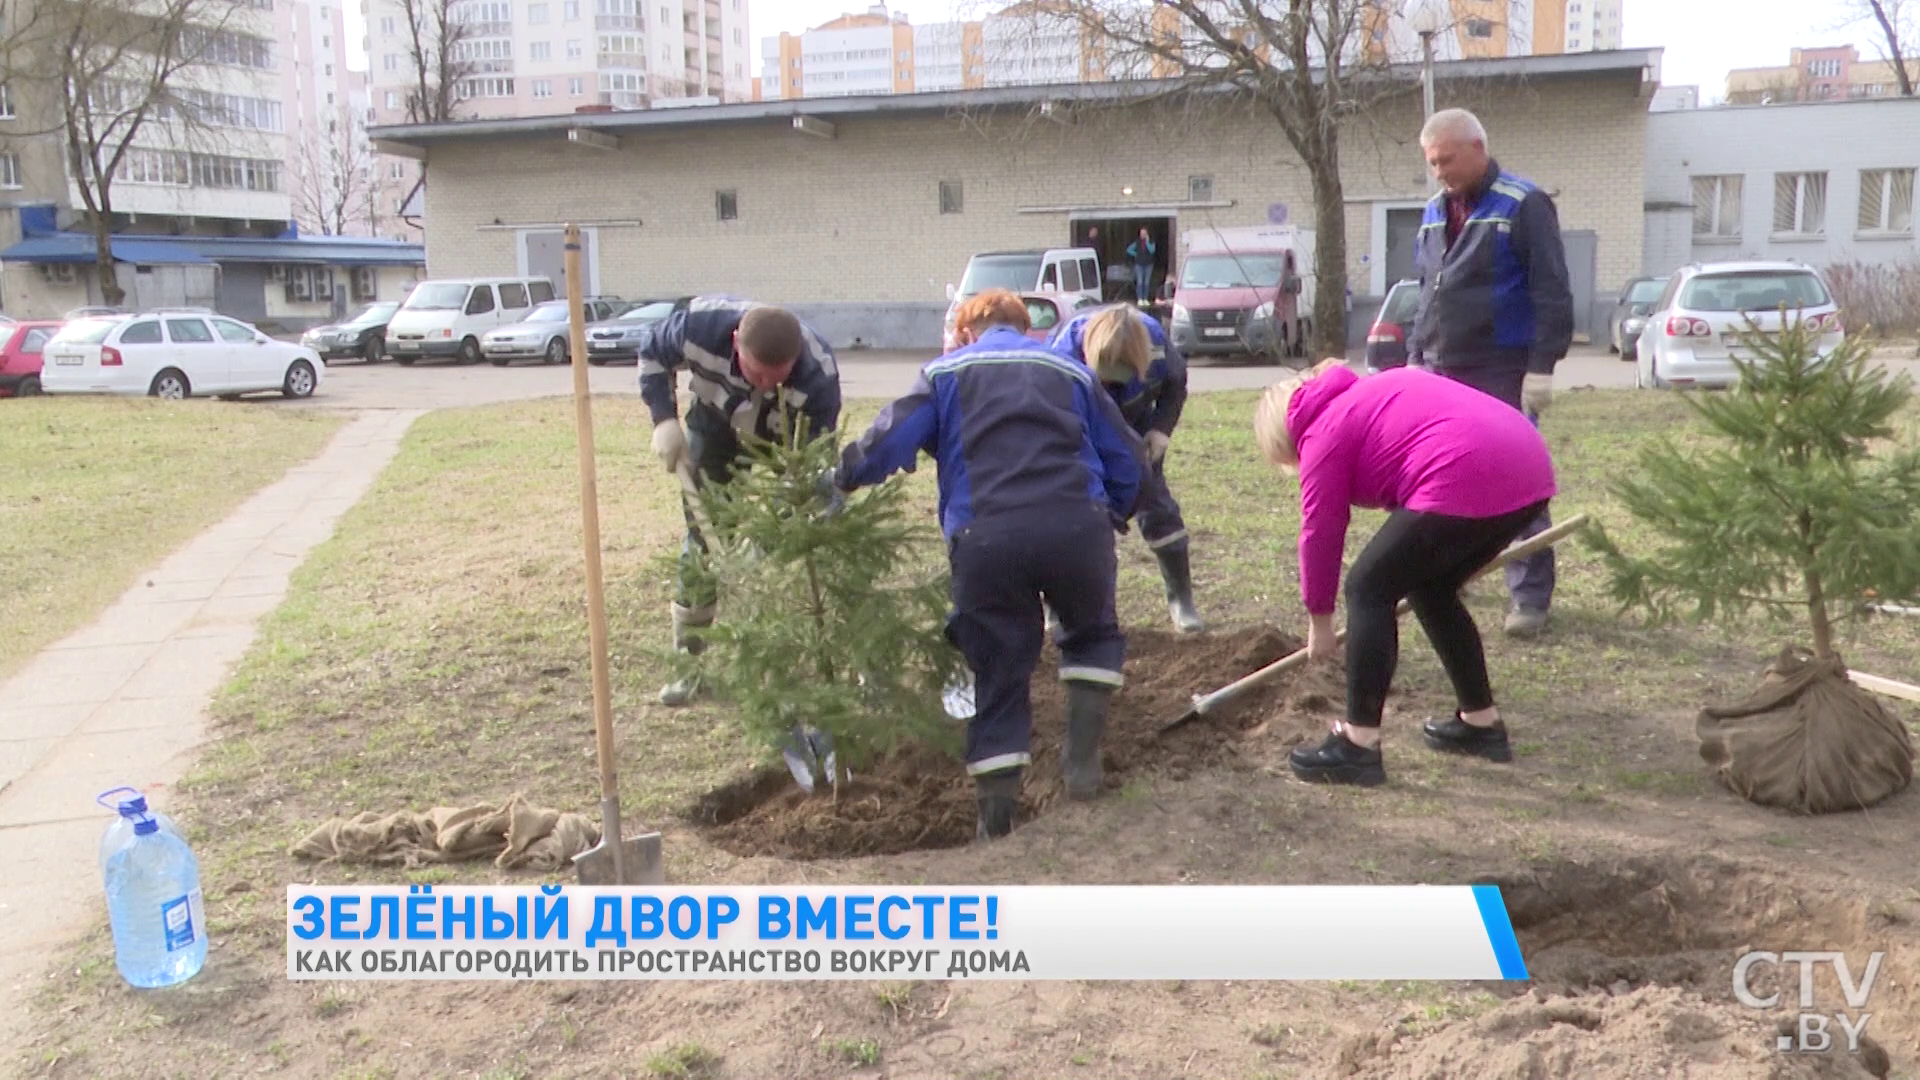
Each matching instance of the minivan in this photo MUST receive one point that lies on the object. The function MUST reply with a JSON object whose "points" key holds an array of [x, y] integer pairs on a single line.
{"points": [[447, 317], [1053, 270]]}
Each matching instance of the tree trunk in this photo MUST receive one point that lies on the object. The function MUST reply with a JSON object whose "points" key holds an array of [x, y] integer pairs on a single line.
{"points": [[1894, 54], [103, 267], [1330, 248], [1817, 613]]}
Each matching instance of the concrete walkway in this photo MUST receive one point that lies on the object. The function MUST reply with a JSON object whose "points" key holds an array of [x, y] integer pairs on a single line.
{"points": [[123, 702]]}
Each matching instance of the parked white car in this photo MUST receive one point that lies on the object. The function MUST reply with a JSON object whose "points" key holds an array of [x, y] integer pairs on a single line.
{"points": [[175, 355], [447, 317], [1695, 329]]}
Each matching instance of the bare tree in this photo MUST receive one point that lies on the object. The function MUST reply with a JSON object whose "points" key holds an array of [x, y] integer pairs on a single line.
{"points": [[1899, 35], [435, 32], [333, 183], [114, 71], [1308, 65]]}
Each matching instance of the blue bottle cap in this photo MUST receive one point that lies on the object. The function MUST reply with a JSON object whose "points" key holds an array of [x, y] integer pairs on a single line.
{"points": [[144, 825], [118, 799]]}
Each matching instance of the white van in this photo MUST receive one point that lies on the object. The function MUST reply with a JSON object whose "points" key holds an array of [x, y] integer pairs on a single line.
{"points": [[447, 317], [1074, 271]]}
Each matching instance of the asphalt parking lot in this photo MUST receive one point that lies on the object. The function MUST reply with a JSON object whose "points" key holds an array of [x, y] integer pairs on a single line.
{"points": [[863, 374]]}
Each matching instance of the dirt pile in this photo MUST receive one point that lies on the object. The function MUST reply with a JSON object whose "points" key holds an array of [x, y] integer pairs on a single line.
{"points": [[1662, 1032], [919, 800]]}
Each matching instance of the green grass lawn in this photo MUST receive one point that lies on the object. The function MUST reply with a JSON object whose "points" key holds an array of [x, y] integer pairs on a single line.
{"points": [[99, 488]]}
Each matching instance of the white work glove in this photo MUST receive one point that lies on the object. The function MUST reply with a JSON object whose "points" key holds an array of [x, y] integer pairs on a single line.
{"points": [[670, 444], [1536, 393], [1157, 445]]}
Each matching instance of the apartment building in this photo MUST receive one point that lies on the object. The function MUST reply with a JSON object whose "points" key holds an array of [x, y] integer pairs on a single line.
{"points": [[212, 156], [544, 57], [1025, 44], [1831, 73]]}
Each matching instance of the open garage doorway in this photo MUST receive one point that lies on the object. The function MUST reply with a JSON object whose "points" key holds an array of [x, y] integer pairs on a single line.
{"points": [[1110, 233]]}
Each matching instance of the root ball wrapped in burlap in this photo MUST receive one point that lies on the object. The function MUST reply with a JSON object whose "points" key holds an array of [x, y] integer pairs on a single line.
{"points": [[1808, 740]]}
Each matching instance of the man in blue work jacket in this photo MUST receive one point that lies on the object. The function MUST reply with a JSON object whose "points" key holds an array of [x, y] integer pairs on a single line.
{"points": [[1496, 310], [749, 365]]}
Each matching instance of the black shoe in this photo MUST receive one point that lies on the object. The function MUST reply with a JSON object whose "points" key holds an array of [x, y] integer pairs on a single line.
{"points": [[1339, 760], [1455, 736], [997, 794], [1086, 722]]}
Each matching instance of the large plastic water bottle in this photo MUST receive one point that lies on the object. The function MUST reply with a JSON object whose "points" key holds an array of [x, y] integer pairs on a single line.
{"points": [[153, 903], [130, 804]]}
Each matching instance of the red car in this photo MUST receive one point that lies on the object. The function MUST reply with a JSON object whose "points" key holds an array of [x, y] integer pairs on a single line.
{"points": [[20, 347]]}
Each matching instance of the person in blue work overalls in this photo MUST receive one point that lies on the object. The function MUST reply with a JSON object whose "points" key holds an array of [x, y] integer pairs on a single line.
{"points": [[1037, 471], [1147, 377]]}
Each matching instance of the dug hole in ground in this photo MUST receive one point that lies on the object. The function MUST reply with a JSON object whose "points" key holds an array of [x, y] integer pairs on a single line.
{"points": [[404, 678]]}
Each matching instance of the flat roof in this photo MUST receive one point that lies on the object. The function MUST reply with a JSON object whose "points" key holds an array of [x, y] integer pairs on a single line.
{"points": [[1643, 62], [73, 247]]}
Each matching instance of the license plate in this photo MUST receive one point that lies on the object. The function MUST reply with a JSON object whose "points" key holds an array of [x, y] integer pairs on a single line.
{"points": [[405, 346], [67, 361], [1218, 331], [601, 346]]}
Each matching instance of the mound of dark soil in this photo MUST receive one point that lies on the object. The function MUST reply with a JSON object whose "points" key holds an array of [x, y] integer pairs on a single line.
{"points": [[919, 799]]}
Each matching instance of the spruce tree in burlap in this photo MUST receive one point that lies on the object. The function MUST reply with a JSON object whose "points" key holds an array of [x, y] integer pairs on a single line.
{"points": [[1801, 504], [835, 621]]}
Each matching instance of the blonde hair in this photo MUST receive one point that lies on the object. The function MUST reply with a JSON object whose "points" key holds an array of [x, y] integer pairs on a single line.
{"points": [[1116, 340], [994, 307], [1270, 432]]}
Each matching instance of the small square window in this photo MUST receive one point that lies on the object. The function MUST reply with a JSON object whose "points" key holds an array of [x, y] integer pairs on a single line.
{"points": [[951, 200], [727, 204], [1199, 189]]}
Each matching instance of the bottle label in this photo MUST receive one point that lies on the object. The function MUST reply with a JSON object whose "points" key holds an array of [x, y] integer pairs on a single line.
{"points": [[177, 915]]}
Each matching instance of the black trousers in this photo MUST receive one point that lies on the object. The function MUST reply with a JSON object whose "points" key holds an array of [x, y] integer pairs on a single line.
{"points": [[1425, 559]]}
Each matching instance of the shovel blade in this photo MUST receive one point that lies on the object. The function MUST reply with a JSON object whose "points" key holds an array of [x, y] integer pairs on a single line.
{"points": [[641, 856]]}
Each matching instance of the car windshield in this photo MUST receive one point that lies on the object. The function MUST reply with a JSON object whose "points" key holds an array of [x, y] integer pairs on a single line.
{"points": [[551, 311], [1754, 290], [1013, 272], [646, 313], [1646, 292], [1232, 271], [85, 332], [1400, 304], [447, 296], [374, 314]]}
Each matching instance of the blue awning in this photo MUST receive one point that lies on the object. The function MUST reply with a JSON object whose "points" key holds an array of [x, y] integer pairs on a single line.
{"points": [[313, 250], [80, 248]]}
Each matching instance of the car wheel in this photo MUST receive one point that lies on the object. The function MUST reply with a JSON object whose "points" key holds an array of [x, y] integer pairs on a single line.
{"points": [[300, 380], [470, 351], [171, 385], [371, 351], [29, 387], [557, 351]]}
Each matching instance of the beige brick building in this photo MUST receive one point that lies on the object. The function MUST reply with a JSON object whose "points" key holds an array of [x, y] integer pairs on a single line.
{"points": [[863, 223]]}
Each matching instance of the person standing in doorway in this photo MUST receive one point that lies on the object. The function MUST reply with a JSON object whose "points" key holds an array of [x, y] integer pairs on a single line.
{"points": [[1141, 253], [1496, 309]]}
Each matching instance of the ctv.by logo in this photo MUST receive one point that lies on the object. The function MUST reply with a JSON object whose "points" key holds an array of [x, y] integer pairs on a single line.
{"points": [[1810, 1034]]}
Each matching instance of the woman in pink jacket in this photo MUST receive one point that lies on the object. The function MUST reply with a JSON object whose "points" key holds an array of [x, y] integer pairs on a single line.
{"points": [[1463, 473]]}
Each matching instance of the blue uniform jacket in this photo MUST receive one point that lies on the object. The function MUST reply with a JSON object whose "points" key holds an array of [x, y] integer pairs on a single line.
{"points": [[699, 337], [1013, 426], [1499, 297], [1150, 404]]}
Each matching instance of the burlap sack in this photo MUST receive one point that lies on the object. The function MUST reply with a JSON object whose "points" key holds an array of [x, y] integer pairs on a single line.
{"points": [[1807, 740]]}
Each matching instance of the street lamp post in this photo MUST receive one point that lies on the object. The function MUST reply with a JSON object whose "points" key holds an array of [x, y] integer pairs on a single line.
{"points": [[1426, 19]]}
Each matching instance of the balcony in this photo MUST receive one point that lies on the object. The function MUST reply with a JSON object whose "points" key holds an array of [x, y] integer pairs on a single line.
{"points": [[616, 22], [623, 99], [486, 29], [625, 61]]}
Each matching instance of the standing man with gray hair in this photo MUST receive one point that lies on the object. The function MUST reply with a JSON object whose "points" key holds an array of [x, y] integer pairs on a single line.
{"points": [[1496, 310]]}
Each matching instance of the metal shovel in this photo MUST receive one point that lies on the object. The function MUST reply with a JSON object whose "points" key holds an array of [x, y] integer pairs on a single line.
{"points": [[1206, 703], [615, 860]]}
